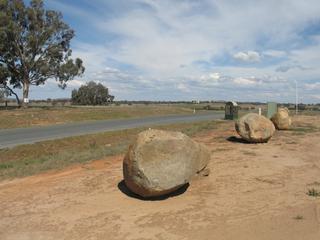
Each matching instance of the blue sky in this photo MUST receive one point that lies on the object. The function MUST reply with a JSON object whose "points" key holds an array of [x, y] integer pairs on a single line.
{"points": [[184, 49]]}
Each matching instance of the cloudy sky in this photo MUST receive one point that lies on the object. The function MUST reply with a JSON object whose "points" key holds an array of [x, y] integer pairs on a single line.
{"points": [[248, 50]]}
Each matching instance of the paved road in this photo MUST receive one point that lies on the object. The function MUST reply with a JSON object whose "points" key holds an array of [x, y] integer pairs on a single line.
{"points": [[18, 136]]}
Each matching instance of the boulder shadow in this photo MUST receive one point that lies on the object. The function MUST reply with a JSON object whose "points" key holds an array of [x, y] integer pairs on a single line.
{"points": [[125, 190], [235, 139]]}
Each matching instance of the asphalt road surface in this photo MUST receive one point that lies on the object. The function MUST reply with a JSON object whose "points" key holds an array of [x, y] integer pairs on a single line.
{"points": [[13, 137]]}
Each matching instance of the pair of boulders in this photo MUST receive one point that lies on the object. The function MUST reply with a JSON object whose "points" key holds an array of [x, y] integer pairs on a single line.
{"points": [[255, 128], [160, 162]]}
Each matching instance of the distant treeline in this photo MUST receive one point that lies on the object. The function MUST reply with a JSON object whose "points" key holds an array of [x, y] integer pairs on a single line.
{"points": [[208, 105]]}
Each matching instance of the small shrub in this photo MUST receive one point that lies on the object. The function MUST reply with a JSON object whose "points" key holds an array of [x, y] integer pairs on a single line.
{"points": [[313, 192], [93, 144], [298, 217]]}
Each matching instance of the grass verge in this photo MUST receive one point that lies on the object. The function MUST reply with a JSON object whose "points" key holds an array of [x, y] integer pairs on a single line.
{"points": [[304, 129], [40, 116], [31, 159]]}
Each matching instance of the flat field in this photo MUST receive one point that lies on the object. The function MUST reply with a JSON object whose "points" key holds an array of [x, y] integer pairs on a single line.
{"points": [[41, 116], [254, 192]]}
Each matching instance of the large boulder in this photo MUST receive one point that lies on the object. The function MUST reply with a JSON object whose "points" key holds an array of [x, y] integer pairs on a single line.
{"points": [[160, 162], [255, 128], [282, 119]]}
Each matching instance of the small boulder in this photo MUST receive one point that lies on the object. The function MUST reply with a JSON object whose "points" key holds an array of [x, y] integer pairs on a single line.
{"points": [[160, 162], [255, 128], [282, 119]]}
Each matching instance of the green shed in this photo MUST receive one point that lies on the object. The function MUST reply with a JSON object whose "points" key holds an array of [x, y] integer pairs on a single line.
{"points": [[231, 110]]}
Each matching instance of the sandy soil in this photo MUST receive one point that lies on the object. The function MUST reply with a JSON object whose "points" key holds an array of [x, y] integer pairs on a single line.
{"points": [[253, 192]]}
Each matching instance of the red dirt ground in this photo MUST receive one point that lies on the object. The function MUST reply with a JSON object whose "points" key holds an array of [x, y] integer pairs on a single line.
{"points": [[254, 191]]}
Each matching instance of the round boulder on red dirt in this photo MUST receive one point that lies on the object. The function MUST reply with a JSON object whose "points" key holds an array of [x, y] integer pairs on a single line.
{"points": [[160, 162]]}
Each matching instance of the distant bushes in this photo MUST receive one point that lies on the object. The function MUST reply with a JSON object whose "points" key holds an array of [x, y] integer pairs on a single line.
{"points": [[91, 94]]}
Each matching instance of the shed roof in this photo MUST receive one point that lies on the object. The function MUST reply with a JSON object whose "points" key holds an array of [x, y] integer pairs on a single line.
{"points": [[233, 103]]}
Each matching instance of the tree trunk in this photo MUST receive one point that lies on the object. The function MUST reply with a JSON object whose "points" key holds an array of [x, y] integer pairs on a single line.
{"points": [[25, 101], [12, 92]]}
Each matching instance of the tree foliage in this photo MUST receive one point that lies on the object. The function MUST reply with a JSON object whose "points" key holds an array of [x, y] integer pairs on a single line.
{"points": [[91, 94], [34, 46]]}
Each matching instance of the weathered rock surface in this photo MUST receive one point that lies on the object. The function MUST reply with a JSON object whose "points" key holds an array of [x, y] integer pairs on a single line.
{"points": [[160, 162], [282, 119], [255, 128]]}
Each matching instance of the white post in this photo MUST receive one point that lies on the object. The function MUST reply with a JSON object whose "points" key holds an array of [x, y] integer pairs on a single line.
{"points": [[260, 111], [296, 97]]}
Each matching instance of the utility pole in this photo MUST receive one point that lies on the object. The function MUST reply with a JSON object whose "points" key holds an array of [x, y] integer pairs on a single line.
{"points": [[296, 96]]}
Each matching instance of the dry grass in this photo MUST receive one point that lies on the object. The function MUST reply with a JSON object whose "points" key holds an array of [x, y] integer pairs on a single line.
{"points": [[37, 116], [302, 128], [56, 154]]}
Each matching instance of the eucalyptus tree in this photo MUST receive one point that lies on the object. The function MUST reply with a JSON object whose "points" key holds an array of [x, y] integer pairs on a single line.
{"points": [[91, 94], [34, 47]]}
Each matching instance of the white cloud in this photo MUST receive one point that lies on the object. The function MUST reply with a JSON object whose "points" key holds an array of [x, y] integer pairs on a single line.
{"points": [[316, 97], [245, 81], [111, 70], [75, 83], [286, 68], [250, 56], [312, 86], [210, 77], [274, 53], [184, 88]]}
